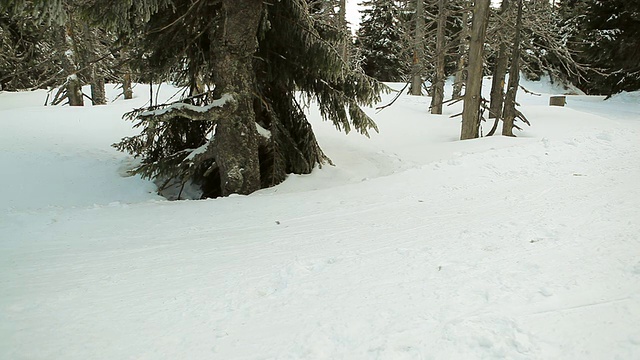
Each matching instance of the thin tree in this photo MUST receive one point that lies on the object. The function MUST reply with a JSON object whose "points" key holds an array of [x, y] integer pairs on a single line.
{"points": [[514, 79], [499, 71], [473, 96], [437, 84], [417, 66], [66, 46], [463, 44]]}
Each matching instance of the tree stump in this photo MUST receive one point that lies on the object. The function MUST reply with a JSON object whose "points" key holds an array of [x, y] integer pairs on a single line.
{"points": [[557, 100]]}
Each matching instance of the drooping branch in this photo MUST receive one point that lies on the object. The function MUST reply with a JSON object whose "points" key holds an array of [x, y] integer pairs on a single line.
{"points": [[217, 109]]}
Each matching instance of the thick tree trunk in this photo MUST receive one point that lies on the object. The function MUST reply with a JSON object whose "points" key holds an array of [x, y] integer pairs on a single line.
{"points": [[236, 138], [473, 95], [437, 86], [462, 50], [418, 50], [514, 79]]}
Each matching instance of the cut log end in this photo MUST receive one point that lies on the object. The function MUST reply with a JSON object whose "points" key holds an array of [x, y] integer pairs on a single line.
{"points": [[557, 100]]}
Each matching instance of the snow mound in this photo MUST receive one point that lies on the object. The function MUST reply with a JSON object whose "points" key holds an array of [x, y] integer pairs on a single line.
{"points": [[415, 245]]}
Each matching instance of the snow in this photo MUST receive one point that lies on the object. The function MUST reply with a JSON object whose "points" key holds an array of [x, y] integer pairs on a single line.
{"points": [[200, 109], [414, 246]]}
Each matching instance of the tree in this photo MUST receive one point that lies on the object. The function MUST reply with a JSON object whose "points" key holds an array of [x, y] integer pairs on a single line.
{"points": [[437, 83], [611, 32], [463, 36], [379, 39], [27, 51], [514, 78], [417, 66], [250, 131], [473, 97], [499, 69]]}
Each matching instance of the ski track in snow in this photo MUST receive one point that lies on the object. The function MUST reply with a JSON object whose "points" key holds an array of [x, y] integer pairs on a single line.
{"points": [[414, 246]]}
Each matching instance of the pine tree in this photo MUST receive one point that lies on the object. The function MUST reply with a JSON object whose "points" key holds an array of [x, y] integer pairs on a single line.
{"points": [[260, 59], [612, 34], [380, 40]]}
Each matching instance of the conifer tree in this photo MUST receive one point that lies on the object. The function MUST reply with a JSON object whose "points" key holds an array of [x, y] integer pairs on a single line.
{"points": [[380, 40], [612, 34], [260, 59]]}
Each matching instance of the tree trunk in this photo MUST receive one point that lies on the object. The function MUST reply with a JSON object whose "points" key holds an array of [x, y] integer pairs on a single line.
{"points": [[437, 86], [127, 89], [236, 138], [514, 79], [499, 73], [98, 96], [126, 85], [473, 95], [73, 84], [418, 50], [342, 14], [462, 50]]}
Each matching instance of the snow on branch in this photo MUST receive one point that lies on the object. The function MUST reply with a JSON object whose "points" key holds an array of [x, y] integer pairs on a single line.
{"points": [[210, 112]]}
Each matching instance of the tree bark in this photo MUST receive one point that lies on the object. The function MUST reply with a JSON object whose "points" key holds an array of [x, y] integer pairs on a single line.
{"points": [[236, 138], [462, 50], [514, 79], [418, 50], [73, 84], [437, 85], [342, 14], [473, 95], [499, 73], [98, 96], [126, 85]]}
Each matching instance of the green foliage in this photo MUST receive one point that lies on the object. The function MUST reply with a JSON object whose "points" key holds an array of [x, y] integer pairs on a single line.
{"points": [[612, 32], [164, 148], [297, 61], [27, 52], [380, 40]]}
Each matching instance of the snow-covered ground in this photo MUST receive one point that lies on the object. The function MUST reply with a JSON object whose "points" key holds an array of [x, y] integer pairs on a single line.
{"points": [[414, 246]]}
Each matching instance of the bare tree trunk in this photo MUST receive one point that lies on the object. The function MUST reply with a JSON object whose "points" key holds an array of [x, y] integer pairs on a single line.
{"points": [[514, 79], [437, 85], [236, 138], [98, 96], [342, 14], [418, 50], [126, 85], [462, 50], [73, 85], [473, 95], [499, 73], [127, 89]]}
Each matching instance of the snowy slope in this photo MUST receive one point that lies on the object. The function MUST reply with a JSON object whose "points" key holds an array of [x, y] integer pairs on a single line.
{"points": [[414, 246]]}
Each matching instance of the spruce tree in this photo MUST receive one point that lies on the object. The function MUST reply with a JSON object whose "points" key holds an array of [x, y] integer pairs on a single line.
{"points": [[260, 60], [380, 40], [612, 34]]}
